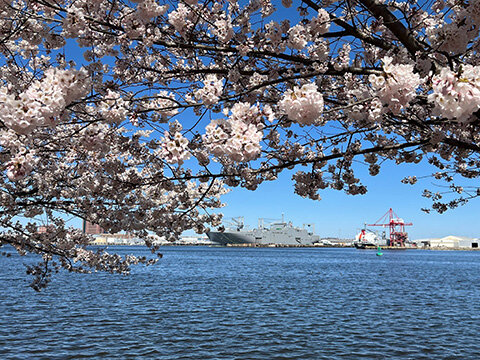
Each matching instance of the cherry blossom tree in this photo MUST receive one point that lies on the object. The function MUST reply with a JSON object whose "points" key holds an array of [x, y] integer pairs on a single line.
{"points": [[138, 115]]}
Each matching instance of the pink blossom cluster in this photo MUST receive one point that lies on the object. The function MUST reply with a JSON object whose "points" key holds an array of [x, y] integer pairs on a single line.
{"points": [[300, 35], [164, 104], [456, 95], [453, 33], [223, 29], [43, 101], [148, 9], [450, 37], [273, 33], [319, 50], [321, 24], [113, 108], [473, 10], [308, 184], [343, 59], [236, 139], [239, 136], [211, 91], [397, 87], [180, 19], [375, 110], [20, 166], [303, 105], [250, 114], [174, 148], [161, 105], [93, 137]]}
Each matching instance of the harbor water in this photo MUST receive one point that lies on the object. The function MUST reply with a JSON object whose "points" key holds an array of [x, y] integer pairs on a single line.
{"points": [[250, 303]]}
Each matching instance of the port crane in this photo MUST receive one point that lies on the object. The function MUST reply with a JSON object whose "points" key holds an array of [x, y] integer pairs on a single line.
{"points": [[396, 225]]}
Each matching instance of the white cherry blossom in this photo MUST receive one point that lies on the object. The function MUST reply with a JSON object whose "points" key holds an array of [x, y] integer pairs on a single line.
{"points": [[303, 105], [456, 95]]}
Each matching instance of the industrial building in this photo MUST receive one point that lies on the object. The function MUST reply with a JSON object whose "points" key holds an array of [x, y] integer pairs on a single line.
{"points": [[450, 242], [91, 229]]}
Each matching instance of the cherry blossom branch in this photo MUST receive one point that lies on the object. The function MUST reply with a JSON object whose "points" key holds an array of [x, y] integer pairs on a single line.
{"points": [[381, 12]]}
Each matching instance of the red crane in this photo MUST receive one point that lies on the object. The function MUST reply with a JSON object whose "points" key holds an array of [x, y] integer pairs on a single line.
{"points": [[398, 236]]}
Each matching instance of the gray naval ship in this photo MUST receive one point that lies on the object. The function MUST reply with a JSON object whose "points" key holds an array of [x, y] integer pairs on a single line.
{"points": [[274, 233]]}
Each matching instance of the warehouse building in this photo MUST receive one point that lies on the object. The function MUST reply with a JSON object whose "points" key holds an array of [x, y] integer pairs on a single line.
{"points": [[450, 242]]}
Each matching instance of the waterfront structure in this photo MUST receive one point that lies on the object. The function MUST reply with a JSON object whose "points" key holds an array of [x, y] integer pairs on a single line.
{"points": [[334, 241], [275, 233], [450, 242], [44, 229], [128, 239], [91, 229], [193, 240], [116, 239], [396, 225]]}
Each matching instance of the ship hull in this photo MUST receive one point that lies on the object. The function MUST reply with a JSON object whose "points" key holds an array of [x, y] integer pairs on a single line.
{"points": [[364, 245], [226, 238], [263, 238]]}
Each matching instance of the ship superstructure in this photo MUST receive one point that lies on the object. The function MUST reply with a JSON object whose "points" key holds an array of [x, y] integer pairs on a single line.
{"points": [[368, 238], [274, 233]]}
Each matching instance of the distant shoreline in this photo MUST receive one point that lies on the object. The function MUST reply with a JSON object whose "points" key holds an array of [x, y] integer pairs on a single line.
{"points": [[295, 246]]}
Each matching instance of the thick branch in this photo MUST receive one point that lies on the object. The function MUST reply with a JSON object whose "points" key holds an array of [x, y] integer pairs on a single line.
{"points": [[381, 12], [353, 31]]}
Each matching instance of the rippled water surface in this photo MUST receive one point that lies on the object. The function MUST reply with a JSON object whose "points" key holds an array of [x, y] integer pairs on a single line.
{"points": [[253, 303]]}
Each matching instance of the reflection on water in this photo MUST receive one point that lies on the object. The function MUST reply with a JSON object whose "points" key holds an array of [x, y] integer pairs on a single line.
{"points": [[251, 303]]}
